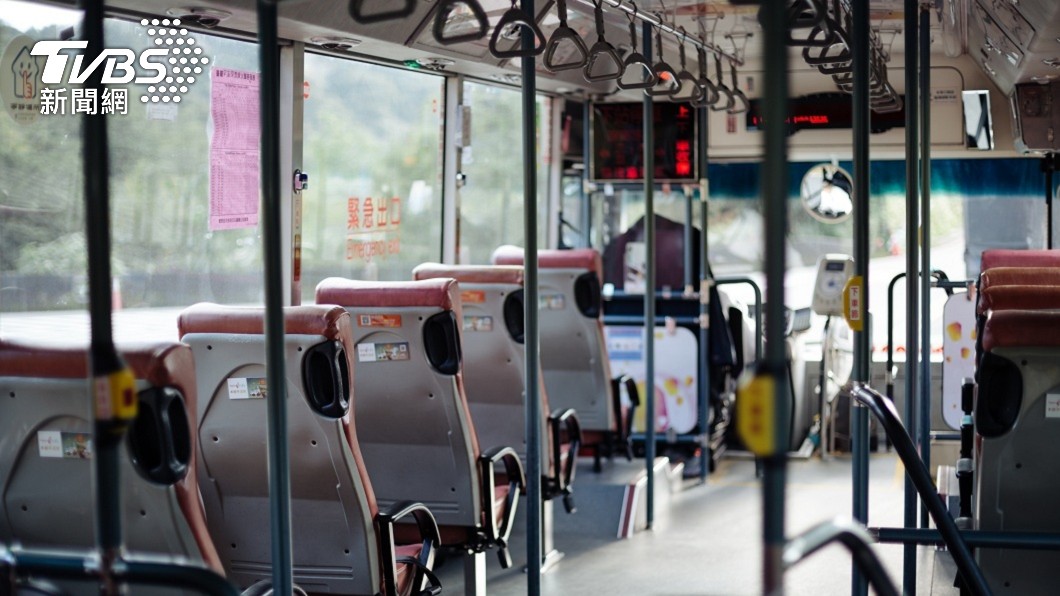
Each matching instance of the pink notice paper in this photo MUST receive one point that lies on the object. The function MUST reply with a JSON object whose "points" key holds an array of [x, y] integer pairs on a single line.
{"points": [[234, 160]]}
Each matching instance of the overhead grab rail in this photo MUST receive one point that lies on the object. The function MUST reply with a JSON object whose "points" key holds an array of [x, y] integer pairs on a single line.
{"points": [[515, 17], [828, 48], [562, 34], [442, 22], [405, 10], [666, 82], [635, 59], [851, 535], [655, 20], [919, 475], [602, 53]]}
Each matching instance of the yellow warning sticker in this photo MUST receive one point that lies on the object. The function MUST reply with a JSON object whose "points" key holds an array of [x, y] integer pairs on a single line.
{"points": [[472, 296], [379, 320]]}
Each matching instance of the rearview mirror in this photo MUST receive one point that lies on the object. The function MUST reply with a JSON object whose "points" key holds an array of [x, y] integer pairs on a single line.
{"points": [[827, 193]]}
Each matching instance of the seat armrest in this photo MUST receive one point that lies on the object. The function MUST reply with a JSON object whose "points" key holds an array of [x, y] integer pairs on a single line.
{"points": [[513, 469], [563, 472], [428, 528]]}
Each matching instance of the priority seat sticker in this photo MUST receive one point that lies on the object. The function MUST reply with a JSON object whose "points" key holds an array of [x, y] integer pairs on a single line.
{"points": [[379, 352], [551, 302], [64, 445]]}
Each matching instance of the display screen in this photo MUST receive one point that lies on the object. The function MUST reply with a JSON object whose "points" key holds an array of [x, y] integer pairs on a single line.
{"points": [[825, 111], [834, 266], [618, 142]]}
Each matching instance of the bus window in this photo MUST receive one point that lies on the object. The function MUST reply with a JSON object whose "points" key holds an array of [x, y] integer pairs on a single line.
{"points": [[491, 202], [372, 148], [42, 242]]}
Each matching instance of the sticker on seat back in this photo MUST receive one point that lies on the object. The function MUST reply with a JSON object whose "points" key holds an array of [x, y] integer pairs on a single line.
{"points": [[551, 302], [379, 320], [473, 323], [247, 388], [380, 352], [472, 296], [64, 445], [1052, 405]]}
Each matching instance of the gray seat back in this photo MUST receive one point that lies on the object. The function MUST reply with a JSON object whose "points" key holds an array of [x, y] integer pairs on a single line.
{"points": [[412, 416], [491, 300], [1017, 475], [335, 546], [573, 352], [46, 453]]}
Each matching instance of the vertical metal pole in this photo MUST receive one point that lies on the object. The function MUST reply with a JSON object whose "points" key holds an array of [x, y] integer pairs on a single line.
{"points": [[706, 282], [533, 341], [1049, 165], [775, 205], [452, 158], [104, 362], [859, 414], [649, 285], [924, 425], [689, 275], [272, 239], [912, 329], [587, 203]]}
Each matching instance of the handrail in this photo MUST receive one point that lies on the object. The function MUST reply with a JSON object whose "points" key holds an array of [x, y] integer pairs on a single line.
{"points": [[687, 80], [656, 21], [663, 71], [709, 95], [942, 283], [635, 58], [564, 32], [974, 538], [722, 88], [725, 281], [515, 17], [497, 533], [883, 409], [356, 12], [563, 475], [444, 7], [139, 569], [851, 535], [602, 49]]}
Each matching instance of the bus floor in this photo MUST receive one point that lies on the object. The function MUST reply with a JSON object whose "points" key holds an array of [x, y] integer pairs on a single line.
{"points": [[708, 539]]}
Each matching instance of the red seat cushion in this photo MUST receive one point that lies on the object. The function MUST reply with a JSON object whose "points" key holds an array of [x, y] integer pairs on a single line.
{"points": [[1022, 328], [997, 298], [405, 572], [1019, 258], [472, 274], [1019, 276]]}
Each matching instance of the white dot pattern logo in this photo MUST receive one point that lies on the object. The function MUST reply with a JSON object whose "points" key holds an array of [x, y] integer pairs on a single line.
{"points": [[183, 60]]}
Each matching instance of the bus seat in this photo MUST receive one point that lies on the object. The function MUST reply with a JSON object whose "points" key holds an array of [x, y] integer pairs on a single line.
{"points": [[413, 410], [1018, 417], [573, 351], [46, 450], [1021, 297], [1007, 257], [491, 300], [1019, 276], [342, 542]]}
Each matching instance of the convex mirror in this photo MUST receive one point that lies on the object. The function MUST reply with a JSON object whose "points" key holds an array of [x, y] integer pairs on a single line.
{"points": [[827, 193]]}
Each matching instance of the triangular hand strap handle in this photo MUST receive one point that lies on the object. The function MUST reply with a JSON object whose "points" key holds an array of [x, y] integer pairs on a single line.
{"points": [[357, 12], [445, 7], [604, 63], [561, 34], [516, 18], [664, 72], [633, 61]]}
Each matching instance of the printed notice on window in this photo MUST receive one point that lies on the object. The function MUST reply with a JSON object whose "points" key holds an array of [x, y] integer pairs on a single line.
{"points": [[234, 160]]}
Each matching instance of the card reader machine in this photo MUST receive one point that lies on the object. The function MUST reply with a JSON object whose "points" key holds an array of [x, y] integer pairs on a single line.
{"points": [[833, 272]]}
